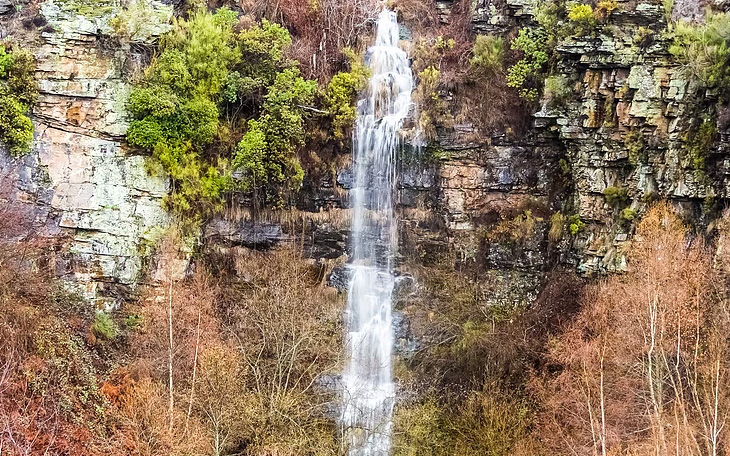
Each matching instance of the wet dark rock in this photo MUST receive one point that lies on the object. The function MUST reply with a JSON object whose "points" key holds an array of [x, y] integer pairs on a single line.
{"points": [[339, 278], [247, 233]]}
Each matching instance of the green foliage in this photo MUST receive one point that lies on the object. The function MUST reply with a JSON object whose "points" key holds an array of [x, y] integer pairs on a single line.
{"points": [[204, 44], [18, 93], [263, 48], [266, 154], [341, 94], [581, 17], [133, 321], [634, 143], [433, 108], [6, 62], [104, 327], [528, 73], [206, 74], [488, 54], [616, 196], [575, 224], [551, 16], [628, 214], [704, 50]]}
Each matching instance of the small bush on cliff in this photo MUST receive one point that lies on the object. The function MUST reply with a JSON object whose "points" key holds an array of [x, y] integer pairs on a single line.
{"points": [[581, 18], [615, 196], [342, 92], [266, 154], [488, 54], [18, 92], [104, 326], [575, 224], [558, 91], [704, 50], [528, 73]]}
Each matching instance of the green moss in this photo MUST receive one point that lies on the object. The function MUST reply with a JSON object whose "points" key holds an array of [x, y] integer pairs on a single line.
{"points": [[698, 143], [634, 143], [704, 51], [104, 327], [615, 196], [18, 93]]}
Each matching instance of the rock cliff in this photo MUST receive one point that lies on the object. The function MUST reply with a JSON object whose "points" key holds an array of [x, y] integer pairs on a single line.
{"points": [[623, 129]]}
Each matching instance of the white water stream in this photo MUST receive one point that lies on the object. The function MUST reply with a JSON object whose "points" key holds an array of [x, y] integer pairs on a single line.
{"points": [[368, 380]]}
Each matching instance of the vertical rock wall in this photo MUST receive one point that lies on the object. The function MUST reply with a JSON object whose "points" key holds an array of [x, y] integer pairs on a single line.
{"points": [[79, 182]]}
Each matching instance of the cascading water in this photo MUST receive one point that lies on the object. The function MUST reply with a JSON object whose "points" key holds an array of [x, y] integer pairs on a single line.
{"points": [[368, 381]]}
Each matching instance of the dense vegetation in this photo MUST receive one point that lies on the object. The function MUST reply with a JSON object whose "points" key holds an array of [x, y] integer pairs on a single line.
{"points": [[236, 358], [18, 92], [633, 364], [225, 363], [224, 110]]}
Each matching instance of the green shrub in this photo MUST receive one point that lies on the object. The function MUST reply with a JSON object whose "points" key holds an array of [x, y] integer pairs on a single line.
{"points": [[208, 81], [342, 92], [528, 73], [488, 54], [104, 327], [267, 153], [616, 196], [628, 214], [704, 50], [133, 321], [581, 18], [575, 224], [18, 93]]}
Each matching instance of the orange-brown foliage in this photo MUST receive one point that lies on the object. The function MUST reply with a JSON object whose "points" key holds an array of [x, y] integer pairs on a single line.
{"points": [[642, 369]]}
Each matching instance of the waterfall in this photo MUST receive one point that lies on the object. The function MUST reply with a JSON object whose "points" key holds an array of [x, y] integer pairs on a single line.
{"points": [[368, 380]]}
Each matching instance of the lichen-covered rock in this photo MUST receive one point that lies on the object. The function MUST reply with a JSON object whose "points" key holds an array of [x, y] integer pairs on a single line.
{"points": [[79, 182]]}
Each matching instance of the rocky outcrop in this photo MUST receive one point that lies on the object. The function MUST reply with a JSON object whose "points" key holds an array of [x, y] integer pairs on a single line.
{"points": [[624, 126], [80, 182]]}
